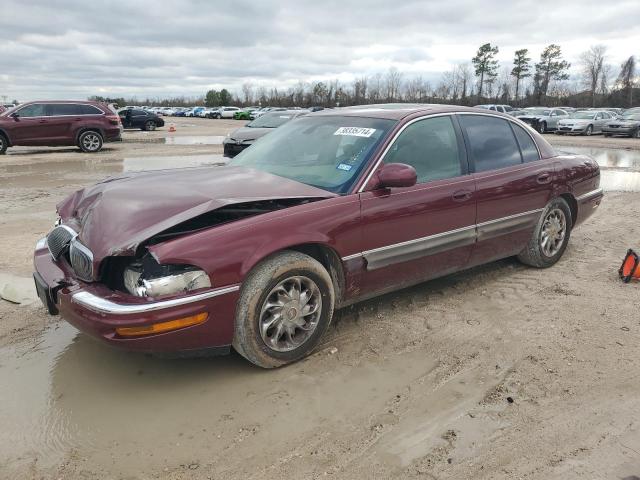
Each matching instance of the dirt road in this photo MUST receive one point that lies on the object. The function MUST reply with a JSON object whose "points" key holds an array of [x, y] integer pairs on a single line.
{"points": [[501, 372]]}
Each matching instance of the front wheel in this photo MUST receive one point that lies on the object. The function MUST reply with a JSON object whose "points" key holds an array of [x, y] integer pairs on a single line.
{"points": [[550, 237], [285, 306], [90, 141], [4, 143], [149, 126], [542, 127], [589, 131]]}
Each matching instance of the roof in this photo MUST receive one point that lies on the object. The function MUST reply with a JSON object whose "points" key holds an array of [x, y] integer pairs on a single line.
{"points": [[393, 111]]}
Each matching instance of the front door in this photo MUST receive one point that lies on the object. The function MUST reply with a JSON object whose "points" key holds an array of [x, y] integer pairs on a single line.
{"points": [[31, 125], [413, 234]]}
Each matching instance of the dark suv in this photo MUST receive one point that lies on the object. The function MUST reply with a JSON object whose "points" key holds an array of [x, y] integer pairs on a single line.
{"points": [[59, 123]]}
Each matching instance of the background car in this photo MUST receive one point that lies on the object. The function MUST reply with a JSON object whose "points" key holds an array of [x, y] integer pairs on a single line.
{"points": [[584, 123], [543, 119], [244, 114], [627, 125], [142, 119], [497, 108], [225, 112], [59, 123], [245, 136], [193, 112]]}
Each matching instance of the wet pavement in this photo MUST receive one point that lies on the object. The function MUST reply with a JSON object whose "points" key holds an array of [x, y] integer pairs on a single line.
{"points": [[194, 140], [619, 169]]}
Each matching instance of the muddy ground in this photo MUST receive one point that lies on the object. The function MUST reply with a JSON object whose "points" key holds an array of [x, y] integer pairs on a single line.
{"points": [[501, 372]]}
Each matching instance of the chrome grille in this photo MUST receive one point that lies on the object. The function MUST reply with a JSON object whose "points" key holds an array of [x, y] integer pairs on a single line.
{"points": [[81, 260], [58, 240]]}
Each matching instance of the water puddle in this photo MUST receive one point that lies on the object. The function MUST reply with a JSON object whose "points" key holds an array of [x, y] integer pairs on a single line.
{"points": [[64, 392], [51, 172], [194, 140], [619, 169]]}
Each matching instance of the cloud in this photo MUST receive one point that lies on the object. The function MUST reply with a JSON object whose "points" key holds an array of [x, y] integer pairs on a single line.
{"points": [[74, 48]]}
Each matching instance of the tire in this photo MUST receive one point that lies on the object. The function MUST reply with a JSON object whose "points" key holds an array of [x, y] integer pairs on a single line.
{"points": [[537, 253], [542, 127], [4, 144], [149, 126], [217, 116], [588, 131], [272, 346], [90, 141]]}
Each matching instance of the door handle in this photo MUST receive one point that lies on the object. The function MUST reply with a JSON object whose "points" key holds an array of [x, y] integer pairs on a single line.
{"points": [[544, 178], [462, 195], [42, 121]]}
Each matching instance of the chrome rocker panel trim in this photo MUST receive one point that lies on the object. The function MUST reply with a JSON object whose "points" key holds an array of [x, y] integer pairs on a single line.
{"points": [[589, 195], [102, 305]]}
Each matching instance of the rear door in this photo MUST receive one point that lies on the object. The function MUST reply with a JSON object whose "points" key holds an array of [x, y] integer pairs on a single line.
{"points": [[513, 184], [62, 117], [421, 232]]}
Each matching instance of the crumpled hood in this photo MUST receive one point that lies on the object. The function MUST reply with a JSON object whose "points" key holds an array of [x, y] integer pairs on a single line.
{"points": [[249, 133], [113, 217]]}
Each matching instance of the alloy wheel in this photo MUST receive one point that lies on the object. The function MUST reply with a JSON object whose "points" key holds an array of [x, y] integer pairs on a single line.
{"points": [[290, 313], [151, 126], [554, 230], [589, 131], [91, 142]]}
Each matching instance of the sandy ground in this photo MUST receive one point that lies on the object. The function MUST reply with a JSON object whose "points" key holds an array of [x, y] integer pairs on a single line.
{"points": [[500, 372]]}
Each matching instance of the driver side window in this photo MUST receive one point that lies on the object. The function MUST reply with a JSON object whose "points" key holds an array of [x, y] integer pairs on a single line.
{"points": [[33, 110], [431, 147]]}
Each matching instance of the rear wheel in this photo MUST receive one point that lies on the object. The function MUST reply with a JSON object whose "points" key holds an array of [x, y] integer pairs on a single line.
{"points": [[550, 237], [4, 143], [285, 306], [149, 126], [90, 141], [542, 127]]}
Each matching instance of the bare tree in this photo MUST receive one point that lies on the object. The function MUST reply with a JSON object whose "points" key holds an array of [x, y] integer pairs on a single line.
{"points": [[393, 81], [626, 79], [592, 62], [247, 93], [375, 88]]}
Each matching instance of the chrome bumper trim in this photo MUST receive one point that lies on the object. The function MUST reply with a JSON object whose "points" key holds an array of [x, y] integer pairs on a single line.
{"points": [[102, 305], [589, 195]]}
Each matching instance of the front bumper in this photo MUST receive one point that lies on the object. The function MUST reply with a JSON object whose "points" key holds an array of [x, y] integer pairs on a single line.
{"points": [[572, 129], [619, 130], [97, 310], [231, 148]]}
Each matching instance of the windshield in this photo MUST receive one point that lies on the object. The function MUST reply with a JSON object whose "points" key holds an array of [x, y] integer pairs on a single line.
{"points": [[271, 120], [583, 115], [538, 111], [327, 152], [631, 116]]}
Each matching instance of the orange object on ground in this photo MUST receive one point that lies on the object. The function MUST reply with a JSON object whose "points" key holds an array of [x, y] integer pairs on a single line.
{"points": [[630, 268], [172, 128]]}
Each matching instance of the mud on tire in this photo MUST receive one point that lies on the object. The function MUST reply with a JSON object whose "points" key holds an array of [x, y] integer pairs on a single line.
{"points": [[259, 286], [533, 254]]}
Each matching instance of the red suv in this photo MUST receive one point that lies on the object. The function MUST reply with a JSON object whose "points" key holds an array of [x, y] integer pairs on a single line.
{"points": [[60, 123]]}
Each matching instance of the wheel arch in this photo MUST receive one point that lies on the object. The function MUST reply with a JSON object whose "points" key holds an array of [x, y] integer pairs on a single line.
{"points": [[573, 206], [6, 135], [88, 128]]}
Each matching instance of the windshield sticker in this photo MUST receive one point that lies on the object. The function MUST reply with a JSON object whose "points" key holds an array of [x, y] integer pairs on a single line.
{"points": [[285, 116], [344, 166], [355, 131]]}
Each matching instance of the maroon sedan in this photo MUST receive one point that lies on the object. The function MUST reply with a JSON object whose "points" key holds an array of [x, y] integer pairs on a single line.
{"points": [[87, 125], [329, 209]]}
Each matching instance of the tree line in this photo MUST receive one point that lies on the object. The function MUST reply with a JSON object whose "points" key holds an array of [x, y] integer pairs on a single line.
{"points": [[482, 80]]}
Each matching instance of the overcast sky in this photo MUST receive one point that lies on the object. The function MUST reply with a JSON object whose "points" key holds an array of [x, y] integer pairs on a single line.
{"points": [[76, 48]]}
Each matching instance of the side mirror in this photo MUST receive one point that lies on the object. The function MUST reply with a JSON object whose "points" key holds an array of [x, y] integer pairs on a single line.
{"points": [[15, 115], [396, 175]]}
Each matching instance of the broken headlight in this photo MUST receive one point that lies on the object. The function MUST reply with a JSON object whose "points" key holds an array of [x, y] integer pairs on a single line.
{"points": [[150, 279]]}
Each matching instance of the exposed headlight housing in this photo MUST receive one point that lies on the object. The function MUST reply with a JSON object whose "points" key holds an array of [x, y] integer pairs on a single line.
{"points": [[165, 280]]}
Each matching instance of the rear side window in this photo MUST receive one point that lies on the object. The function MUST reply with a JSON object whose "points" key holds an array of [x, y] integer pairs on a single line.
{"points": [[431, 147], [527, 147], [35, 110], [89, 110], [491, 142]]}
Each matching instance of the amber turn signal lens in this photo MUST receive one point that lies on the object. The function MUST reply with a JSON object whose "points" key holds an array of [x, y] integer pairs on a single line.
{"points": [[163, 326]]}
